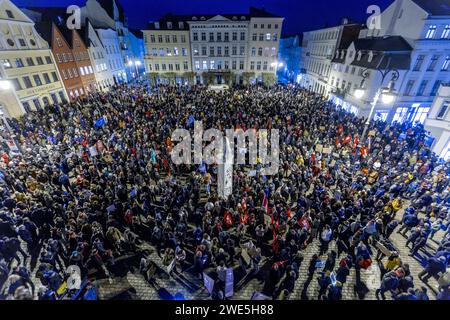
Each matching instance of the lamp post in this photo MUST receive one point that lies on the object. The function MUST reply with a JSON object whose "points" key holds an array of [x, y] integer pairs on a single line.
{"points": [[387, 94], [136, 64]]}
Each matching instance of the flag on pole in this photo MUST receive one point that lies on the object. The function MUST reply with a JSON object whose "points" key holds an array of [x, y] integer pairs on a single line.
{"points": [[347, 139], [190, 120], [265, 203], [99, 123], [228, 219]]}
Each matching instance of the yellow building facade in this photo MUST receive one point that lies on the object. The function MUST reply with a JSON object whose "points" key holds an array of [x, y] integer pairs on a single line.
{"points": [[29, 77]]}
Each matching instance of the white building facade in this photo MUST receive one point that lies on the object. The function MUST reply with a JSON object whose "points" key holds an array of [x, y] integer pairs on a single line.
{"points": [[168, 51], [319, 47], [115, 62], [429, 35], [99, 58], [29, 76], [219, 47], [264, 45], [109, 14], [438, 122], [223, 48]]}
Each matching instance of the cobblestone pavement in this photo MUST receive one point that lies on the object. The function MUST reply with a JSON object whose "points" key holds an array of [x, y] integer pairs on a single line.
{"points": [[134, 286]]}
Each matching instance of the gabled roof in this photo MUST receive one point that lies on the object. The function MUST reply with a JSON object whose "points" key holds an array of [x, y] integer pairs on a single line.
{"points": [[44, 28], [137, 33], [384, 61], [261, 13], [108, 5], [435, 7], [390, 43], [229, 16], [175, 19], [392, 51], [253, 12]]}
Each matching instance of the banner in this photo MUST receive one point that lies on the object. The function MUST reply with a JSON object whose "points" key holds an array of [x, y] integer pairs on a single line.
{"points": [[208, 282], [99, 123], [229, 283], [93, 151]]}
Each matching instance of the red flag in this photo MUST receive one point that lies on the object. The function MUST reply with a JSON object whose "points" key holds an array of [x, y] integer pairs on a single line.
{"points": [[265, 203], [289, 213], [228, 219], [364, 151], [347, 139], [280, 263], [245, 218], [340, 128], [337, 141], [244, 204]]}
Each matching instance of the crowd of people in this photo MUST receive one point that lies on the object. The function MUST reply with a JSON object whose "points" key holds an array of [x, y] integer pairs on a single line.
{"points": [[94, 180]]}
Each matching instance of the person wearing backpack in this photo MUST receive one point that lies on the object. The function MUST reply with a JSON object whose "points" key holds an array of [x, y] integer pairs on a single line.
{"points": [[389, 282]]}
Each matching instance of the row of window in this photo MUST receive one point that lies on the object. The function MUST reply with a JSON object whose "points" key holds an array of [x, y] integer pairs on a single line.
{"points": [[169, 66], [432, 32], [30, 62], [37, 103], [59, 42], [97, 55], [321, 50], [169, 52], [265, 66], [219, 65], [324, 35], [22, 42], [27, 83], [72, 72], [218, 36], [422, 87], [217, 51], [112, 49], [433, 62], [77, 92], [265, 37], [115, 64], [318, 68], [66, 57], [267, 52], [262, 26], [101, 67], [167, 38]]}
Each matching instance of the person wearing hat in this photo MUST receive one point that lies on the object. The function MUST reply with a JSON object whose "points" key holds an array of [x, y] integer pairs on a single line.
{"points": [[434, 267]]}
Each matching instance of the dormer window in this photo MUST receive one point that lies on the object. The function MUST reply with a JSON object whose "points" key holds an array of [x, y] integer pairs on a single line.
{"points": [[181, 25], [9, 14], [337, 53], [156, 25], [169, 25], [202, 18], [359, 56], [370, 58], [194, 18], [242, 18], [342, 54], [234, 18]]}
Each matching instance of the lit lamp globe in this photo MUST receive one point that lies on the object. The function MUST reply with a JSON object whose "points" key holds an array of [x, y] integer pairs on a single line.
{"points": [[359, 93], [5, 85], [130, 63], [387, 98], [138, 63]]}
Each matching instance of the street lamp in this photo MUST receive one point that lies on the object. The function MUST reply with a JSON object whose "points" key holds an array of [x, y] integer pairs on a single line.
{"points": [[136, 64], [5, 85], [387, 94]]}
